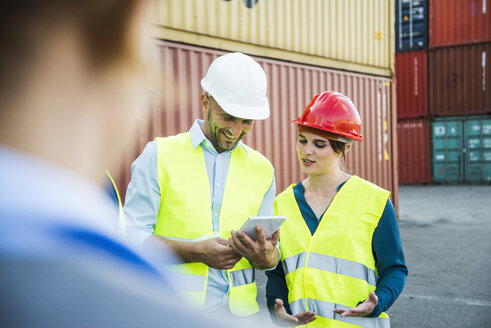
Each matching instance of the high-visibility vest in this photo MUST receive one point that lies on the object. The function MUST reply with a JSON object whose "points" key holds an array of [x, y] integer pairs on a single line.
{"points": [[185, 211], [334, 268], [121, 220]]}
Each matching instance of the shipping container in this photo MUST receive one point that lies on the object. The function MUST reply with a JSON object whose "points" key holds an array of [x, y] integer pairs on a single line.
{"points": [[460, 80], [412, 84], [477, 132], [462, 150], [448, 143], [457, 22], [411, 25], [414, 151], [290, 89], [352, 35]]}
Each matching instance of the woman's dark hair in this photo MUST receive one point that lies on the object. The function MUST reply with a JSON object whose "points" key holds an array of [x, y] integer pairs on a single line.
{"points": [[338, 147]]}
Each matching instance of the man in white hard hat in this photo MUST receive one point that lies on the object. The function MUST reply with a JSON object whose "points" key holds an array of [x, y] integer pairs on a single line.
{"points": [[193, 191]]}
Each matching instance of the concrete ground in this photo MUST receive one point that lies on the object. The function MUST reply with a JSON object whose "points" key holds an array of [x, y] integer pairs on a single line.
{"points": [[446, 235]]}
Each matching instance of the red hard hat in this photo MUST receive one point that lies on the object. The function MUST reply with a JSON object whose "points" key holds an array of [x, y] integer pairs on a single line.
{"points": [[332, 112]]}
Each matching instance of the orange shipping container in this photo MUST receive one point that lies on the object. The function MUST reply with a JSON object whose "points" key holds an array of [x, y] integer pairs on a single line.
{"points": [[290, 88]]}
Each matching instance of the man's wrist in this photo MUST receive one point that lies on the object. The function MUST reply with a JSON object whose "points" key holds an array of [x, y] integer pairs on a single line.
{"points": [[187, 251], [269, 263]]}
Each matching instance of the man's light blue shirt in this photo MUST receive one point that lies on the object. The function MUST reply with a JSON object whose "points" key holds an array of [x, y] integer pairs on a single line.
{"points": [[142, 201]]}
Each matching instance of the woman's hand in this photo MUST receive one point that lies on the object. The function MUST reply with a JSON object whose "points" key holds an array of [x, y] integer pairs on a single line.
{"points": [[286, 319], [362, 310]]}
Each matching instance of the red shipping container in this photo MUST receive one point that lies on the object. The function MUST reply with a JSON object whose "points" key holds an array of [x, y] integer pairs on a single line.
{"points": [[456, 22], [290, 88], [460, 80], [414, 155], [412, 84]]}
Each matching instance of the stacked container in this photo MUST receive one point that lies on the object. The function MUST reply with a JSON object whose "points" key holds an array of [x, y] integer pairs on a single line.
{"points": [[462, 149], [411, 71], [414, 153], [450, 94], [411, 25], [459, 90], [459, 22], [305, 47]]}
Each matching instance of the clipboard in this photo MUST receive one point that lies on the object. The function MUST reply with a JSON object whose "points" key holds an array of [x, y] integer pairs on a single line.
{"points": [[269, 224]]}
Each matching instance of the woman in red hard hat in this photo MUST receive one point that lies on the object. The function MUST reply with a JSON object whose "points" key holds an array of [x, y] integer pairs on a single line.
{"points": [[342, 263]]}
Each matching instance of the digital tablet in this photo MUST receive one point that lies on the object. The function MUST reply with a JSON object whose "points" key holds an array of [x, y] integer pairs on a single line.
{"points": [[269, 224]]}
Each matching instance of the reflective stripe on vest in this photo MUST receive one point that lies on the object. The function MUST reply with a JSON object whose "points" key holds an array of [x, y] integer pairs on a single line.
{"points": [[242, 277], [325, 310], [334, 267], [196, 283], [330, 264], [185, 210]]}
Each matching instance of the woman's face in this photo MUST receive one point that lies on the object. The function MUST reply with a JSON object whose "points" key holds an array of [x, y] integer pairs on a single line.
{"points": [[315, 153]]}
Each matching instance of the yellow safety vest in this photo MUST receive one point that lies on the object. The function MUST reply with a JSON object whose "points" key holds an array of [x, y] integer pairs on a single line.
{"points": [[334, 268], [185, 210], [121, 221]]}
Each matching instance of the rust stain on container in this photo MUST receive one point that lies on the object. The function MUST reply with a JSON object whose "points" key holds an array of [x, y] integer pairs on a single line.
{"points": [[290, 89], [412, 84], [460, 80], [456, 22], [414, 155]]}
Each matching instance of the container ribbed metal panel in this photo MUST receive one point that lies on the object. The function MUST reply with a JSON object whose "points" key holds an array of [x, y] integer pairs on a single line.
{"points": [[460, 80], [290, 89], [457, 22], [355, 35], [413, 139], [412, 84]]}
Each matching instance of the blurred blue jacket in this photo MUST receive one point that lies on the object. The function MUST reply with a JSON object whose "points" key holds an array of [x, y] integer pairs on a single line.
{"points": [[62, 263]]}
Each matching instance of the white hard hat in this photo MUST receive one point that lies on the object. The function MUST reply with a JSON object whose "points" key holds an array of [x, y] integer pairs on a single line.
{"points": [[239, 85]]}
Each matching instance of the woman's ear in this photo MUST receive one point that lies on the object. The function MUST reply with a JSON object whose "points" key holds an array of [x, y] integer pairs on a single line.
{"points": [[347, 148]]}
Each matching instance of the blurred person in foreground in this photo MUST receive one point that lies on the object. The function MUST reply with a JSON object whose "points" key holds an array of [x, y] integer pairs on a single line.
{"points": [[342, 263], [193, 191], [70, 91]]}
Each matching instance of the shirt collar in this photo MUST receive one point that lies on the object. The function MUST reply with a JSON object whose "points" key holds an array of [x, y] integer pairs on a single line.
{"points": [[199, 138]]}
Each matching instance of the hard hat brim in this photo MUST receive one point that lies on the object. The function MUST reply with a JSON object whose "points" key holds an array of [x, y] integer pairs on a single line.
{"points": [[261, 112], [341, 134], [245, 112]]}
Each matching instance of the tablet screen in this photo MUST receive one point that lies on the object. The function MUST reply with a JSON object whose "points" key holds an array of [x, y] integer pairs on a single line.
{"points": [[269, 224]]}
